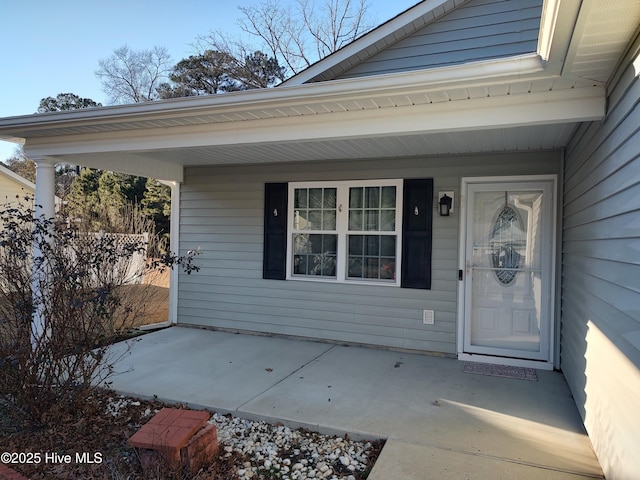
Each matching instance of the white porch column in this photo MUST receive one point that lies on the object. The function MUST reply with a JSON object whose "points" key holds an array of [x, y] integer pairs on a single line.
{"points": [[45, 197], [44, 206], [174, 246]]}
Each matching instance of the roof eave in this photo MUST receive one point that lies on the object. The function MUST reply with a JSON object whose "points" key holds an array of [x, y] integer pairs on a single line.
{"points": [[16, 129]]}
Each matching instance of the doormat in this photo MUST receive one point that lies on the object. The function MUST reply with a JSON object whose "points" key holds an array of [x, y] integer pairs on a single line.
{"points": [[504, 371]]}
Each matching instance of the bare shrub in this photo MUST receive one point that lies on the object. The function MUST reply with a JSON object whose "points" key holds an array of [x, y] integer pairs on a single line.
{"points": [[63, 301]]}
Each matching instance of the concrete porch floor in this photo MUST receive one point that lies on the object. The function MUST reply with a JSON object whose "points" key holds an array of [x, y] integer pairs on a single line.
{"points": [[439, 422]]}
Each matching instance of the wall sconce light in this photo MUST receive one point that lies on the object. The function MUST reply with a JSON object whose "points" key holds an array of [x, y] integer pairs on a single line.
{"points": [[445, 203]]}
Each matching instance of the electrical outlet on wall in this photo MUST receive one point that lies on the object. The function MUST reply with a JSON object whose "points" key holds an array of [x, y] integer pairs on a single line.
{"points": [[427, 317]]}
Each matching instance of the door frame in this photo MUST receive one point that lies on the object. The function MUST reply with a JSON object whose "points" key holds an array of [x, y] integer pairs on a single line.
{"points": [[548, 363]]}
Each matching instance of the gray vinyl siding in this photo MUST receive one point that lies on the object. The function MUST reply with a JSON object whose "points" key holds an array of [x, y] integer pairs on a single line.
{"points": [[600, 348], [477, 30], [222, 213]]}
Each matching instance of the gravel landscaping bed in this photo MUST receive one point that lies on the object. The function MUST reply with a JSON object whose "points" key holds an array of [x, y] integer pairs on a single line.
{"points": [[276, 451], [248, 449]]}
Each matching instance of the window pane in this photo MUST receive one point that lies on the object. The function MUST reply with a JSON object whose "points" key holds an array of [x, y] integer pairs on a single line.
{"points": [[315, 209], [355, 244], [388, 197], [301, 219], [355, 267], [329, 200], [315, 243], [388, 245], [329, 244], [355, 220], [300, 198], [315, 198], [314, 254], [328, 264], [371, 268], [387, 220], [388, 268], [372, 197], [329, 220], [301, 243], [355, 197], [372, 245], [372, 256], [315, 220], [300, 264], [371, 220]]}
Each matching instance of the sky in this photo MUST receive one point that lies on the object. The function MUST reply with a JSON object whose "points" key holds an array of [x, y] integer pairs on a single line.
{"points": [[53, 46]]}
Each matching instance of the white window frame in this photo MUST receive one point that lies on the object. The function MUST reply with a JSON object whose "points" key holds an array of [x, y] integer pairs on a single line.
{"points": [[342, 229]]}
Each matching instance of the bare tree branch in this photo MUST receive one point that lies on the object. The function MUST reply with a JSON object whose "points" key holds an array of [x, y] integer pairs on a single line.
{"points": [[133, 76], [298, 36]]}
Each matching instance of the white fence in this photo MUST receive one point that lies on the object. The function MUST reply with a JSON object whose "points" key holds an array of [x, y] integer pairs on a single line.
{"points": [[130, 269]]}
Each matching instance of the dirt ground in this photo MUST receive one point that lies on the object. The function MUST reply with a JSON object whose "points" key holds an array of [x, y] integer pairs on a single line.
{"points": [[95, 440], [154, 292]]}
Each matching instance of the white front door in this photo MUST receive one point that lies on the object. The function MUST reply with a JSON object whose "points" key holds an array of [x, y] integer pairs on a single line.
{"points": [[508, 275]]}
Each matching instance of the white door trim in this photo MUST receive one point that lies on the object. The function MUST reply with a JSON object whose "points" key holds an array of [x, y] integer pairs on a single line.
{"points": [[547, 364]]}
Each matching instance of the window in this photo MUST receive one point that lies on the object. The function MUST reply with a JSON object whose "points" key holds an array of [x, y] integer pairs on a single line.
{"points": [[356, 231], [345, 231]]}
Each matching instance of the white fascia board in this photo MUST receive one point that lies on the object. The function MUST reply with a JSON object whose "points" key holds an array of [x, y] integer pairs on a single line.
{"points": [[548, 24], [557, 26], [566, 106], [396, 24]]}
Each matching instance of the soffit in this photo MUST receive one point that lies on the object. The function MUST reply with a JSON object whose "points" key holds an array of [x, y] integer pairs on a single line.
{"points": [[603, 31]]}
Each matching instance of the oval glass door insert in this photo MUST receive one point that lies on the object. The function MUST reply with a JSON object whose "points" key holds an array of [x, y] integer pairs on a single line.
{"points": [[508, 238]]}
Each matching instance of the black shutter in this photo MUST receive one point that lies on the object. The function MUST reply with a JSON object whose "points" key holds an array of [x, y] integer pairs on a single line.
{"points": [[274, 263], [417, 220]]}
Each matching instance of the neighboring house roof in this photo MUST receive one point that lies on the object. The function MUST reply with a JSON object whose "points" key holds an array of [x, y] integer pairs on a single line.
{"points": [[13, 185], [17, 179], [516, 101]]}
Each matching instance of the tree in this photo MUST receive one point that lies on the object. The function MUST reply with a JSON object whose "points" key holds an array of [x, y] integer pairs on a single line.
{"points": [[156, 204], [134, 76], [260, 71], [22, 165], [167, 90], [102, 196], [214, 72], [207, 73], [65, 101], [296, 37], [334, 24]]}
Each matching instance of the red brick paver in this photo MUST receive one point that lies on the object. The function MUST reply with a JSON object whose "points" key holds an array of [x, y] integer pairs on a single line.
{"points": [[201, 448], [170, 428], [170, 433]]}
